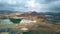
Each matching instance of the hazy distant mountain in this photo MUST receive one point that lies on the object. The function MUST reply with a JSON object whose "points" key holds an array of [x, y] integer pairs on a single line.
{"points": [[55, 18], [6, 11]]}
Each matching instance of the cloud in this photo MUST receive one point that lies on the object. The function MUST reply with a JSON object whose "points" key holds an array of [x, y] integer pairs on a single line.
{"points": [[50, 5], [24, 5]]}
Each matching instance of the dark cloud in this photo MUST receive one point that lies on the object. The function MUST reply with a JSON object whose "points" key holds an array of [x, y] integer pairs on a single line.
{"points": [[46, 1], [49, 1], [51, 6]]}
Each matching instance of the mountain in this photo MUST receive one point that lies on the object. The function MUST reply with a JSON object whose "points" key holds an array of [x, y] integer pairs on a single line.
{"points": [[29, 14], [6, 11], [34, 13]]}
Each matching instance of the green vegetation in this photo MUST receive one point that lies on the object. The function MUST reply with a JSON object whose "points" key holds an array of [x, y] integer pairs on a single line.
{"points": [[16, 21]]}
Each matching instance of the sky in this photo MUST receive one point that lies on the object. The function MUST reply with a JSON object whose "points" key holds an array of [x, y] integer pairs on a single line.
{"points": [[31, 5]]}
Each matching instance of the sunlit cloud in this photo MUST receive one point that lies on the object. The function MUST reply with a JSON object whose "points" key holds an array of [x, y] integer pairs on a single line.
{"points": [[31, 3]]}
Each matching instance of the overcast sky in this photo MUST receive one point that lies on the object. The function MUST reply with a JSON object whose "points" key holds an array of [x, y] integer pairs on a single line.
{"points": [[27, 5]]}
